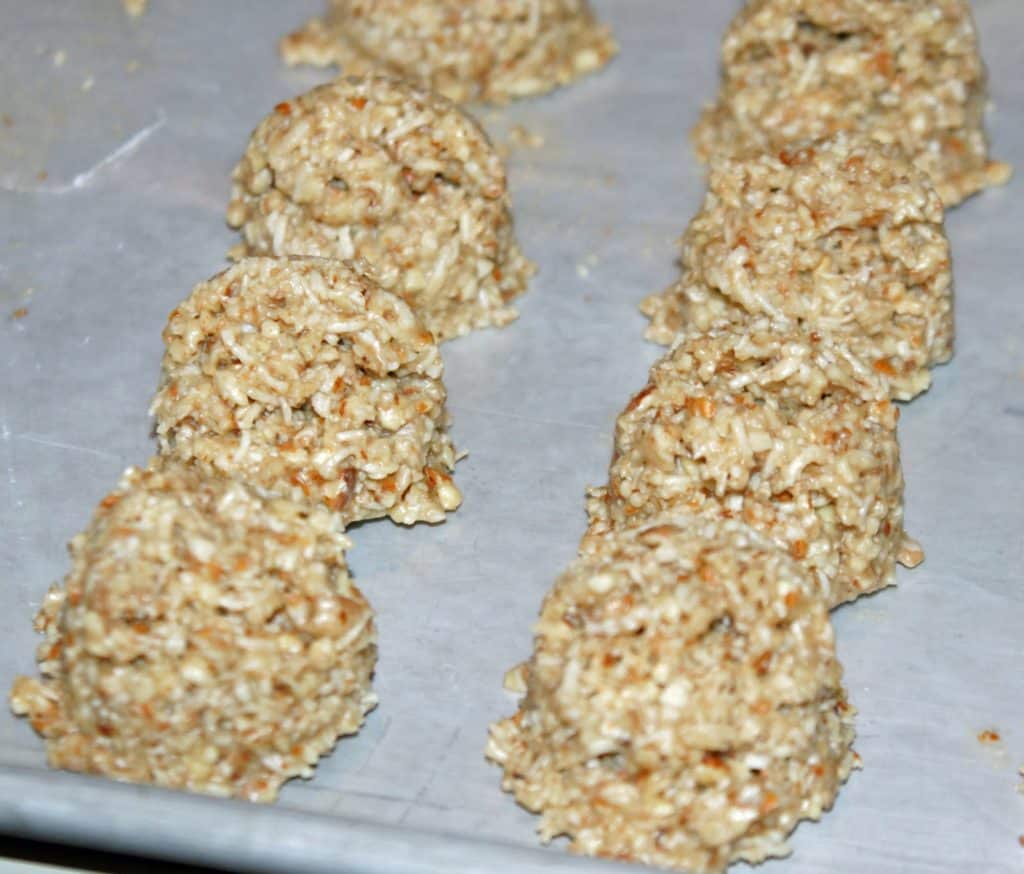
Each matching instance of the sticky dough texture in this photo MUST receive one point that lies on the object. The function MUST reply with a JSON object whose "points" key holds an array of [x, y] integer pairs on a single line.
{"points": [[489, 50], [306, 379], [683, 703], [906, 72], [384, 171], [789, 432], [842, 235], [205, 639]]}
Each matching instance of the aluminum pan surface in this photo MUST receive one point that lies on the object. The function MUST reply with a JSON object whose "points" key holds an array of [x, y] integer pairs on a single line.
{"points": [[136, 125]]}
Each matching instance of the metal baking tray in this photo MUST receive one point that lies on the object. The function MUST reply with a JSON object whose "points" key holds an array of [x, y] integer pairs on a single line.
{"points": [[117, 137]]}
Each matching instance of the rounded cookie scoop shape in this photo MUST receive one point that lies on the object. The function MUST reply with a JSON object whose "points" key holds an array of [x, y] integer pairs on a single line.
{"points": [[206, 638], [784, 429], [908, 73], [382, 170], [487, 50], [683, 705], [840, 235], [304, 378]]}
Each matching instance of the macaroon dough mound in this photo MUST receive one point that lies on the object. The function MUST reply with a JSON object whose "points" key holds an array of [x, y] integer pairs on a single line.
{"points": [[785, 430], [489, 50], [206, 638], [683, 705], [842, 235], [907, 73], [384, 171], [304, 378]]}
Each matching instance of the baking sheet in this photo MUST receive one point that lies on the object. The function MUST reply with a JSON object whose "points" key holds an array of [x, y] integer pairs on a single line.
{"points": [[116, 140]]}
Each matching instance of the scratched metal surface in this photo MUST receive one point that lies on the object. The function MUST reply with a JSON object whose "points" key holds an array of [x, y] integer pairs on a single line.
{"points": [[116, 140]]}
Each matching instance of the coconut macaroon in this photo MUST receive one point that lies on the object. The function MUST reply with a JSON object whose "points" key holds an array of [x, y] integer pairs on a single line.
{"points": [[492, 51], [840, 234], [683, 704], [306, 379], [785, 430], [381, 170], [206, 639], [906, 73]]}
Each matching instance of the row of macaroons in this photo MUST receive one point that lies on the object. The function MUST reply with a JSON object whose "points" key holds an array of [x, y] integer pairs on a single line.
{"points": [[208, 636], [683, 705]]}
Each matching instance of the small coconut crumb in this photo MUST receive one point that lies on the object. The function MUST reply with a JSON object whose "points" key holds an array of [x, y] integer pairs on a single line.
{"points": [[515, 679], [524, 138], [59, 58]]}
